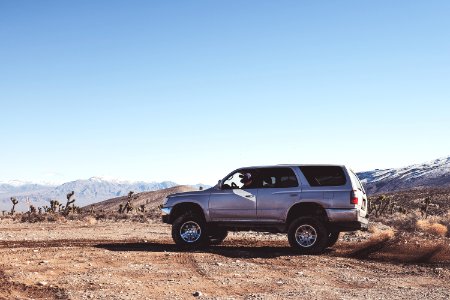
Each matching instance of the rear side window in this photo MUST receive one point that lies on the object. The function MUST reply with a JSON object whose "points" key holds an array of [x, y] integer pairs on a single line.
{"points": [[358, 183], [278, 178], [324, 175]]}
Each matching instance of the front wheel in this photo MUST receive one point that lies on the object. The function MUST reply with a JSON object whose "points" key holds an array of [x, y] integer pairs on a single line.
{"points": [[189, 231], [308, 235]]}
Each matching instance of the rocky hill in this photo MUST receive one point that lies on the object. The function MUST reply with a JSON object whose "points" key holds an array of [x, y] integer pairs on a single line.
{"points": [[151, 200], [431, 174]]}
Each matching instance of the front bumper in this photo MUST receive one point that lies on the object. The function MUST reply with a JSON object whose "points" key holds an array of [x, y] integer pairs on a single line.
{"points": [[165, 212]]}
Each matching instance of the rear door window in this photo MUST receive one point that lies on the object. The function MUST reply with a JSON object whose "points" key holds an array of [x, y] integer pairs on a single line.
{"points": [[358, 183], [324, 175], [278, 178]]}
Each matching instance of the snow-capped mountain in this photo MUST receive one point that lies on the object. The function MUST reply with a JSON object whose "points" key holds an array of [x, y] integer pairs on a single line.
{"points": [[435, 173], [87, 191]]}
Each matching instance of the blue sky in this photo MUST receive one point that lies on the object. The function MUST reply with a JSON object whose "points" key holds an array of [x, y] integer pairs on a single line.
{"points": [[189, 90]]}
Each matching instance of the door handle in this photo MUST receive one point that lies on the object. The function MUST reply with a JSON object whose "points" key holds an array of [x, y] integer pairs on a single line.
{"points": [[249, 196]]}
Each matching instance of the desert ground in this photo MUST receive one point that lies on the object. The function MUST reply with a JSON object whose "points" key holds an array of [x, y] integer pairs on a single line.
{"points": [[90, 259]]}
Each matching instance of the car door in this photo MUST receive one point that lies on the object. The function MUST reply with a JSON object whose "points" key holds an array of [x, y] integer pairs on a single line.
{"points": [[234, 201], [279, 190]]}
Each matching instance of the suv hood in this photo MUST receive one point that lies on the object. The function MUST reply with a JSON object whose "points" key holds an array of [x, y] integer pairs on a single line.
{"points": [[193, 193]]}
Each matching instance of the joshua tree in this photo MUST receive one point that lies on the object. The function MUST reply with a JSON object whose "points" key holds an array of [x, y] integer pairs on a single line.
{"points": [[392, 206], [53, 205], [40, 210], [32, 209], [424, 207], [14, 202], [3, 212], [69, 202], [380, 205], [128, 207]]}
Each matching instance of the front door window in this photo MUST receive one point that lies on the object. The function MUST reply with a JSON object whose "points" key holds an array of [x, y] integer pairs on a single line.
{"points": [[242, 179]]}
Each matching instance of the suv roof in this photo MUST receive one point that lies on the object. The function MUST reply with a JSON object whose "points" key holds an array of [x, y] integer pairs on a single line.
{"points": [[292, 165]]}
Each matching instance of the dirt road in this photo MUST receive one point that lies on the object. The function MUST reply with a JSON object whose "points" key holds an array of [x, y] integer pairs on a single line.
{"points": [[107, 260]]}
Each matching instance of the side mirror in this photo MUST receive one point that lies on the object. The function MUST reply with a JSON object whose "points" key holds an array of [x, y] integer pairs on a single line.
{"points": [[219, 184]]}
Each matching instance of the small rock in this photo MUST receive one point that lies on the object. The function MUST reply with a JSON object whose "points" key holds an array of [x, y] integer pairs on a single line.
{"points": [[42, 283], [197, 294]]}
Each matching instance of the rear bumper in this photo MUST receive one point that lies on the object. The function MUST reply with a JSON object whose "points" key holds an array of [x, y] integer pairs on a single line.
{"points": [[346, 219]]}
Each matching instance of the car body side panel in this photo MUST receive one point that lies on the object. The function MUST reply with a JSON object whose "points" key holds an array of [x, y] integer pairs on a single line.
{"points": [[233, 205], [273, 202]]}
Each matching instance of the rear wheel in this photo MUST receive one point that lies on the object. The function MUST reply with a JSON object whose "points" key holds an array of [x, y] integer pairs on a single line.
{"points": [[217, 236], [189, 231], [332, 238], [308, 235]]}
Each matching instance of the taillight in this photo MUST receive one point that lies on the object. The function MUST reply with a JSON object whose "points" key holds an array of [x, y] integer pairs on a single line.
{"points": [[353, 198]]}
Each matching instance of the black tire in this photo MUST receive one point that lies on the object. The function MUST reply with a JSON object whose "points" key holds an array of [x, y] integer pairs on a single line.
{"points": [[195, 231], [315, 237], [217, 236], [333, 237]]}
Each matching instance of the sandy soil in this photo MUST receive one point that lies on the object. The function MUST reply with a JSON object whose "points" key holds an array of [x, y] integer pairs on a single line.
{"points": [[125, 260]]}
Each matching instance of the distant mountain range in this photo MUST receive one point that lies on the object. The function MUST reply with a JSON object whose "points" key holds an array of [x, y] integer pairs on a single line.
{"points": [[435, 173], [87, 191]]}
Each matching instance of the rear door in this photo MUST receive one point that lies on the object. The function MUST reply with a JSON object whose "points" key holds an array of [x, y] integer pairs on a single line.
{"points": [[360, 193], [279, 190]]}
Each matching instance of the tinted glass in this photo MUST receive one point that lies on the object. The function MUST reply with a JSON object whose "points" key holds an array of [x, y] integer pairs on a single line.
{"points": [[356, 179], [324, 175], [237, 181], [278, 178]]}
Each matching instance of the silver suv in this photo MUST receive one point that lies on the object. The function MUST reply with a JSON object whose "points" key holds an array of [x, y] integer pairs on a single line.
{"points": [[311, 203]]}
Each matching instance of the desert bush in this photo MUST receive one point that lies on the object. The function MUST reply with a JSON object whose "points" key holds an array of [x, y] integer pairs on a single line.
{"points": [[431, 227], [90, 220], [380, 234], [400, 221], [32, 218], [36, 217], [55, 218]]}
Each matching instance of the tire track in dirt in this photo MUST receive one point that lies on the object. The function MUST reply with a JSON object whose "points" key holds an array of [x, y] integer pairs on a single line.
{"points": [[62, 243], [188, 260], [14, 290]]}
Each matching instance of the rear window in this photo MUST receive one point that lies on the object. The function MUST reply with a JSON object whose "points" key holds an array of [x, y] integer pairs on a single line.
{"points": [[278, 178], [324, 175]]}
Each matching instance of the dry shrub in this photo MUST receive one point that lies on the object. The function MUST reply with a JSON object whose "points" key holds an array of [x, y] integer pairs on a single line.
{"points": [[431, 227], [56, 218], [32, 218], [90, 220], [381, 234], [399, 221]]}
